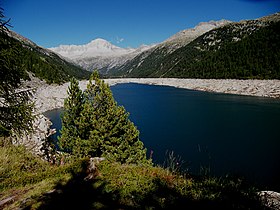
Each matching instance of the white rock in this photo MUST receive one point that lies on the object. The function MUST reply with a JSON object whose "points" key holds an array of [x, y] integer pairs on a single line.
{"points": [[271, 199]]}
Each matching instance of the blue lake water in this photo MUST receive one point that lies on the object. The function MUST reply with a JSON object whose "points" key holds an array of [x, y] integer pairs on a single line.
{"points": [[227, 134]]}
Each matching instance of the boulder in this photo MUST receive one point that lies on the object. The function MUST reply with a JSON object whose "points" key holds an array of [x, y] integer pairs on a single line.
{"points": [[270, 199]]}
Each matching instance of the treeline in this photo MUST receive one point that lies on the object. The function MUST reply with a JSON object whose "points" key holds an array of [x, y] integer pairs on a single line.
{"points": [[44, 64]]}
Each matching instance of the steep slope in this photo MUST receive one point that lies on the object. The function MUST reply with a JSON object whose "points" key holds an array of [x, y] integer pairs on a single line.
{"points": [[141, 66], [184, 37], [98, 54], [247, 49], [43, 63]]}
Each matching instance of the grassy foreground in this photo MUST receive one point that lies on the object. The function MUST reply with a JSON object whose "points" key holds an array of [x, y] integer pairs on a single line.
{"points": [[27, 182]]}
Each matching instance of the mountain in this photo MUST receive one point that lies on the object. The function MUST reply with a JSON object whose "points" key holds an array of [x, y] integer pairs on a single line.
{"points": [[97, 47], [184, 37], [110, 59], [98, 54], [42, 63], [214, 49], [240, 50], [155, 55]]}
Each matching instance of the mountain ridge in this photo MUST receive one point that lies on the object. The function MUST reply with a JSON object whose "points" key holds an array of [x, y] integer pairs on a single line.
{"points": [[42, 63], [236, 50], [94, 55], [185, 53], [96, 47], [98, 54]]}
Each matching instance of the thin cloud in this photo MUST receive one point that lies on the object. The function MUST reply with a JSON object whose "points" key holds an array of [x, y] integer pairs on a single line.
{"points": [[119, 40]]}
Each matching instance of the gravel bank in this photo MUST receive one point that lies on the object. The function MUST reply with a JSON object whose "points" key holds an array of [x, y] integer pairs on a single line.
{"points": [[265, 88], [48, 97]]}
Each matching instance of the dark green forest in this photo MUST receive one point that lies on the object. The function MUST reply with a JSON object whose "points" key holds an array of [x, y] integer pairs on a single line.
{"points": [[234, 51], [42, 63], [256, 56]]}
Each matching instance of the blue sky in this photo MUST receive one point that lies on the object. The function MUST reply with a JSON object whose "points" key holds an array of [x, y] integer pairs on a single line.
{"points": [[126, 23]]}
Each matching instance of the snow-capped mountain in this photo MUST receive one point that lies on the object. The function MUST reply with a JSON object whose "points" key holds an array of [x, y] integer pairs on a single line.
{"points": [[97, 47], [98, 54]]}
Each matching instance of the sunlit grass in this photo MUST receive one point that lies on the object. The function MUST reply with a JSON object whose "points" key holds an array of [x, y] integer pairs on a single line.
{"points": [[37, 184]]}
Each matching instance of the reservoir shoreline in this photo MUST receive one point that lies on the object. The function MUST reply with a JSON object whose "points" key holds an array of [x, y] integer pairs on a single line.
{"points": [[225, 133], [48, 97]]}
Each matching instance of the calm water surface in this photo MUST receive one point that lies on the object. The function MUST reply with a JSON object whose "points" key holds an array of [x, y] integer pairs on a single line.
{"points": [[224, 133]]}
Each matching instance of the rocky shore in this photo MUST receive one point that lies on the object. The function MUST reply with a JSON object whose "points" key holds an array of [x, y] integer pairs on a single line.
{"points": [[35, 140], [264, 88], [48, 97]]}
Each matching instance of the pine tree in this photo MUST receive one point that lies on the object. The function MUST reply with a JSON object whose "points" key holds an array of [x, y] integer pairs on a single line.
{"points": [[102, 127], [73, 106], [16, 107]]}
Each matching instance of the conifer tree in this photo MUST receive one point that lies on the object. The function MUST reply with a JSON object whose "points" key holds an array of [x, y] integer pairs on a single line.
{"points": [[102, 127], [16, 107], [73, 107]]}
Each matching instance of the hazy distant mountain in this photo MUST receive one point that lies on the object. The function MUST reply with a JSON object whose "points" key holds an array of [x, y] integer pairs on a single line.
{"points": [[98, 54], [245, 49], [97, 47]]}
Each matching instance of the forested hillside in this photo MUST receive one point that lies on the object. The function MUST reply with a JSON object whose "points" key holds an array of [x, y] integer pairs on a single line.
{"points": [[244, 50], [254, 56], [44, 64]]}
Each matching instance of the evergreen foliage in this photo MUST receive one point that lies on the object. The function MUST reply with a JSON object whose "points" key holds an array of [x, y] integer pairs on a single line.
{"points": [[254, 56], [236, 51], [44, 64], [15, 105], [73, 107], [94, 125]]}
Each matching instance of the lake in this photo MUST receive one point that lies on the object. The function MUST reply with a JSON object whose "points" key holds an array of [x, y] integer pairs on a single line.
{"points": [[225, 134]]}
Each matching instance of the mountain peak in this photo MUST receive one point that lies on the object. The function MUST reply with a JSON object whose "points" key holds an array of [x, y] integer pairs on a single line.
{"points": [[99, 42]]}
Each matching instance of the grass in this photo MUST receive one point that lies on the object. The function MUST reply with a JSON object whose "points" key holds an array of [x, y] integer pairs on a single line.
{"points": [[24, 176], [36, 184]]}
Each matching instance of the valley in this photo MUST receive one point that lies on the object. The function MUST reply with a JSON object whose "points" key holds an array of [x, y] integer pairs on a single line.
{"points": [[221, 107]]}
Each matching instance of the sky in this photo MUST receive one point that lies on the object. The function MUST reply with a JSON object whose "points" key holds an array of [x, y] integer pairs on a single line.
{"points": [[125, 23]]}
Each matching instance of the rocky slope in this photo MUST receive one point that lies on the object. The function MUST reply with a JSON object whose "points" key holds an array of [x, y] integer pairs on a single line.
{"points": [[184, 37]]}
